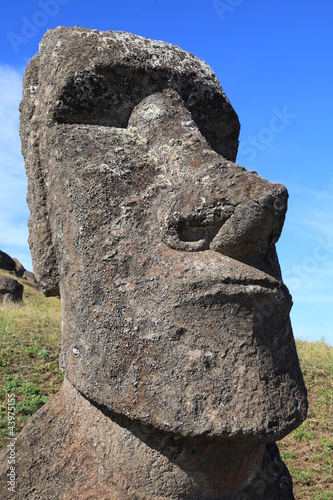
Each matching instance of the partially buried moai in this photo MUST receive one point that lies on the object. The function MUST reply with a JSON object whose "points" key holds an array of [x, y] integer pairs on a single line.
{"points": [[180, 365]]}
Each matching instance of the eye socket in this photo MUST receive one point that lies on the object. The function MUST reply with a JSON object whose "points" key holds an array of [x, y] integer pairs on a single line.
{"points": [[107, 96]]}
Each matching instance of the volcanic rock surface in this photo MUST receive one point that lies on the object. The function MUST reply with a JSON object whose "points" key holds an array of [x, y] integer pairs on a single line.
{"points": [[14, 266], [10, 290]]}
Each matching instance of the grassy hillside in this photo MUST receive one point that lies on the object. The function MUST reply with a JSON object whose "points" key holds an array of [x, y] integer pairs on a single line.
{"points": [[29, 350], [308, 450]]}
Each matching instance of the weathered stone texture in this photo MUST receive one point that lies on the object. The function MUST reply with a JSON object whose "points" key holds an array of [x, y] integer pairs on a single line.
{"points": [[10, 290], [6, 262], [175, 315]]}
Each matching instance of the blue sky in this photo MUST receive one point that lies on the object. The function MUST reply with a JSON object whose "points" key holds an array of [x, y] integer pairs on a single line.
{"points": [[274, 61]]}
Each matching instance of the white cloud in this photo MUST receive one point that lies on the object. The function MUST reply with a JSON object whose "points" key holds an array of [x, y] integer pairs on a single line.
{"points": [[309, 219], [10, 91], [306, 257], [312, 299], [321, 222], [13, 183], [313, 194]]}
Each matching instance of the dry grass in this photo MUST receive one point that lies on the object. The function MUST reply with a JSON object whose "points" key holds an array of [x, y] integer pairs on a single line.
{"points": [[308, 450], [29, 354]]}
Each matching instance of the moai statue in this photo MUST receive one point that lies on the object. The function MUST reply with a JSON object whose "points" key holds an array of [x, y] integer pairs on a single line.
{"points": [[180, 366]]}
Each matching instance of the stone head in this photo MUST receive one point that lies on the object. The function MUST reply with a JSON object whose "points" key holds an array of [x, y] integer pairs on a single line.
{"points": [[161, 247]]}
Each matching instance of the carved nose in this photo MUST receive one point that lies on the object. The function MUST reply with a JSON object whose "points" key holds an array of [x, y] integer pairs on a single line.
{"points": [[212, 203], [233, 217], [254, 224]]}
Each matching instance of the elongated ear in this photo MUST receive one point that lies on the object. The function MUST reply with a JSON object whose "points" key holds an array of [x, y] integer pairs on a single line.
{"points": [[41, 239]]}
